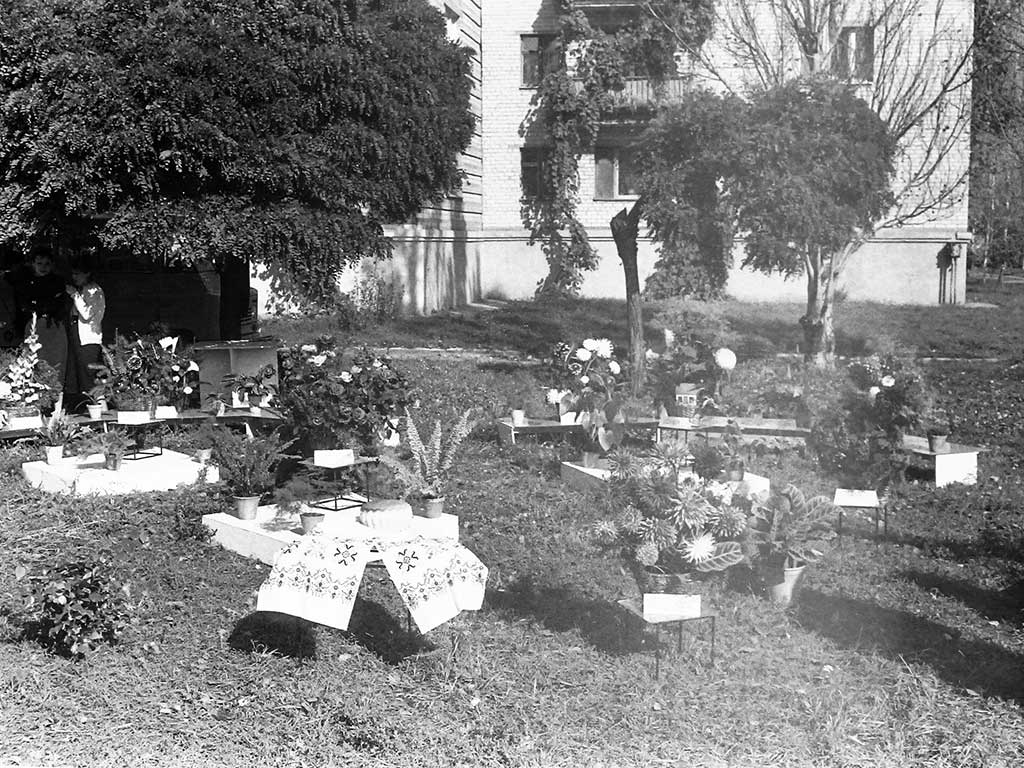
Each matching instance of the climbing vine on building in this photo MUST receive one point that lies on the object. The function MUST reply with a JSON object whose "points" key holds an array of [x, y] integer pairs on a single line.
{"points": [[578, 92]]}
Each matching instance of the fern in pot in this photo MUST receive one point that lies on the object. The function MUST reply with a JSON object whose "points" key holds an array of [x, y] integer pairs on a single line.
{"points": [[246, 464], [112, 444], [58, 431], [427, 472]]}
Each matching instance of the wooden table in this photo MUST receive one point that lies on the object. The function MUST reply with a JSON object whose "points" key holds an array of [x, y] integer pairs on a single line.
{"points": [[681, 426], [956, 464], [508, 432]]}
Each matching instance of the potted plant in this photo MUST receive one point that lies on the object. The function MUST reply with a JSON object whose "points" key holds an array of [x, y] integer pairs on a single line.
{"points": [[785, 534], [669, 528], [592, 379], [938, 427], [203, 438], [112, 444], [708, 459], [26, 385], [289, 500], [247, 465], [428, 475], [58, 430], [252, 391]]}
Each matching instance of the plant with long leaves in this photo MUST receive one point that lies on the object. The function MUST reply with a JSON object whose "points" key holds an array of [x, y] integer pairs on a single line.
{"points": [[790, 529], [429, 472]]}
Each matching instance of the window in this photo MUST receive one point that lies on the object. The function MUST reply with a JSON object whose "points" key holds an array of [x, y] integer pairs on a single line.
{"points": [[853, 57], [615, 173], [533, 169], [540, 56]]}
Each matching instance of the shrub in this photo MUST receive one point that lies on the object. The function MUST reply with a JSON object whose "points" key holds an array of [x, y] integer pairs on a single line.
{"points": [[76, 607]]}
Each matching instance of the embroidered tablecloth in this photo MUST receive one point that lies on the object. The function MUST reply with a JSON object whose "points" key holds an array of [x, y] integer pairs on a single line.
{"points": [[317, 578]]}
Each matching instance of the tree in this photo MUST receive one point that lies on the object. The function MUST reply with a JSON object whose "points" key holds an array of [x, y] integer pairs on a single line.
{"points": [[285, 132], [817, 176], [911, 62]]}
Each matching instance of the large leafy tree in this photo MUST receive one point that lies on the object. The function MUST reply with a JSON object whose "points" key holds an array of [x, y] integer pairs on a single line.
{"points": [[282, 132], [818, 175]]}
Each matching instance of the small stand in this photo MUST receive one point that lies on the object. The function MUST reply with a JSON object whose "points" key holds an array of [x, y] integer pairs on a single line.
{"points": [[338, 501], [138, 435], [633, 606]]}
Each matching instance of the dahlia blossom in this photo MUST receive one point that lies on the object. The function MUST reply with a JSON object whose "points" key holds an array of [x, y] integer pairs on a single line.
{"points": [[699, 549]]}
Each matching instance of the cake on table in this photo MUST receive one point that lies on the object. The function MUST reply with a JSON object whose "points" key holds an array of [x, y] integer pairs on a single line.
{"points": [[386, 515]]}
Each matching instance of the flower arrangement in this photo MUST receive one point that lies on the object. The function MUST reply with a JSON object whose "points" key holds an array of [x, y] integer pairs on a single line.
{"points": [[136, 373], [670, 522], [590, 381], [255, 388], [26, 381], [432, 461], [335, 403]]}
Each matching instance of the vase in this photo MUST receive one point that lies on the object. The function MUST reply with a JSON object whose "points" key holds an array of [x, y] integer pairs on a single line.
{"points": [[938, 443], [112, 461], [782, 582], [433, 508], [203, 455], [246, 506], [54, 454], [311, 520], [95, 412]]}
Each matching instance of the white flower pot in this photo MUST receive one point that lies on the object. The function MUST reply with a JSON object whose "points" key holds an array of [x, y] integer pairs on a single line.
{"points": [[518, 417], [54, 454], [246, 506], [569, 417], [95, 412]]}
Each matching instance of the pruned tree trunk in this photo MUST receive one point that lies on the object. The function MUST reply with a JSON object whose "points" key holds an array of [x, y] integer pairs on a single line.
{"points": [[819, 332], [625, 229]]}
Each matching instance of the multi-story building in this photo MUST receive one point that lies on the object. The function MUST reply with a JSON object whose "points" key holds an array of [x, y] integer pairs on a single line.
{"points": [[475, 245]]}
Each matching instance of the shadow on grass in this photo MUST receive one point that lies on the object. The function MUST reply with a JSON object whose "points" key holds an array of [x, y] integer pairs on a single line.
{"points": [[602, 624], [1002, 605], [375, 627], [268, 631], [975, 664]]}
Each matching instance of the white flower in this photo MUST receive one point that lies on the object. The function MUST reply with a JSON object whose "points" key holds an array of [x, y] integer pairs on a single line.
{"points": [[614, 367], [187, 390], [346, 376], [604, 349], [308, 348], [168, 343], [193, 365], [357, 369], [725, 359], [176, 378], [888, 381], [873, 393], [590, 344], [175, 367], [583, 354], [554, 397], [670, 338], [584, 380], [699, 549], [376, 363], [318, 360]]}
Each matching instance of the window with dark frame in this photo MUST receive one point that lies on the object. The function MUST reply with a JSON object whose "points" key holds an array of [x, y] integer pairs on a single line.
{"points": [[615, 173], [540, 54], [853, 57], [533, 173]]}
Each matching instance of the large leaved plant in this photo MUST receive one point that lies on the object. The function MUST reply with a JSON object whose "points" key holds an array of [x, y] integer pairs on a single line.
{"points": [[790, 529]]}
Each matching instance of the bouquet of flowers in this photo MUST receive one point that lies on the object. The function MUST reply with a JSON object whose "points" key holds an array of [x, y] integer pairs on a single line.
{"points": [[590, 381], [25, 380], [138, 372], [670, 522], [255, 389], [332, 402]]}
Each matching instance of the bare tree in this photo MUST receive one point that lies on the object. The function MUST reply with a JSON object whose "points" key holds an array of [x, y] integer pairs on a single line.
{"points": [[910, 60]]}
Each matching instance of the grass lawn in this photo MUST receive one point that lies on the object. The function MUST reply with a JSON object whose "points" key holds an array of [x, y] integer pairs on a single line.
{"points": [[991, 324], [905, 652]]}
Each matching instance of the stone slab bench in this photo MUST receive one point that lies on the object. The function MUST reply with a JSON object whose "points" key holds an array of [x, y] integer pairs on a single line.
{"points": [[84, 475]]}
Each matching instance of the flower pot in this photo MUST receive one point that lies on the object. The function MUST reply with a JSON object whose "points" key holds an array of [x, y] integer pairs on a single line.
{"points": [[95, 412], [591, 459], [782, 582], [569, 417], [735, 471], [239, 400], [938, 443], [246, 506], [518, 417], [203, 455], [311, 520], [433, 508], [112, 461], [54, 454]]}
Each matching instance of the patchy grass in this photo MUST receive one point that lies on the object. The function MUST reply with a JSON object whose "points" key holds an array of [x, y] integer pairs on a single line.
{"points": [[973, 330], [908, 652]]}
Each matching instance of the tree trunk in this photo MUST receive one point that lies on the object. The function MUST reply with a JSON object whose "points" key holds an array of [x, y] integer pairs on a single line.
{"points": [[819, 333], [625, 228]]}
